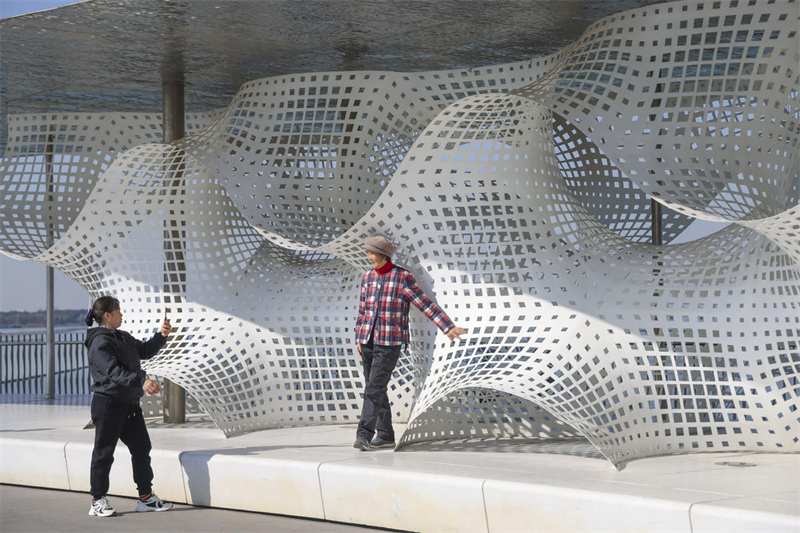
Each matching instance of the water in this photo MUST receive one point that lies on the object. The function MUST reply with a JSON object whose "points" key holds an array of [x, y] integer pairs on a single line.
{"points": [[23, 361], [41, 331], [70, 382]]}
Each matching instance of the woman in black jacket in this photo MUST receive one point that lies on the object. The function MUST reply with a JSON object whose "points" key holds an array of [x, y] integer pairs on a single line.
{"points": [[119, 382]]}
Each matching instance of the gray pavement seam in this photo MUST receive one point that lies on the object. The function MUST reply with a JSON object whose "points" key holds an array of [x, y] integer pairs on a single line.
{"points": [[321, 497], [712, 500], [485, 510], [184, 481], [66, 465], [319, 481]]}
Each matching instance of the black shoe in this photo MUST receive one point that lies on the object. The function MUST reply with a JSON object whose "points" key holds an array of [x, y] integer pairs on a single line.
{"points": [[378, 442], [361, 444]]}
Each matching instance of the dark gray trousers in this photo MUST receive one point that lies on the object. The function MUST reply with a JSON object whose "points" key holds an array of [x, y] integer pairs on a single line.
{"points": [[376, 414]]}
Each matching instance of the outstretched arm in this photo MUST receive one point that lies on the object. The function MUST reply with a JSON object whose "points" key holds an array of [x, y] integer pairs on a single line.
{"points": [[455, 333], [414, 293], [148, 349]]}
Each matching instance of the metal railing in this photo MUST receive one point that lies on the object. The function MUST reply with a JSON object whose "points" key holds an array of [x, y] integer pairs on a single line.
{"points": [[23, 369], [23, 363]]}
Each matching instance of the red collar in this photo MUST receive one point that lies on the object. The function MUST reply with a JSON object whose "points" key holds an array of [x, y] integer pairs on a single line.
{"points": [[385, 268]]}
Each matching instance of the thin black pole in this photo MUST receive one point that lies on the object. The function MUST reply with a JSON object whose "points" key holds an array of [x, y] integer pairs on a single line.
{"points": [[173, 126], [655, 209], [50, 281]]}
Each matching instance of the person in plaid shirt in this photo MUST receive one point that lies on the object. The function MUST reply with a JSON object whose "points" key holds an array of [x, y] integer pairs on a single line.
{"points": [[381, 328]]}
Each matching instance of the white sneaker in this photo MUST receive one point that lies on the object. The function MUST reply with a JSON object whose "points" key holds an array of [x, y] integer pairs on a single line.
{"points": [[152, 503], [101, 508]]}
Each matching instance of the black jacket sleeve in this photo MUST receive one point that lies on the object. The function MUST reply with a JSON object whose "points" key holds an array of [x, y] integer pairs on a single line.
{"points": [[147, 349]]}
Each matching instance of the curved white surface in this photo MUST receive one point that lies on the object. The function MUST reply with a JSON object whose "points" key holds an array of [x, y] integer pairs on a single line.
{"points": [[518, 196]]}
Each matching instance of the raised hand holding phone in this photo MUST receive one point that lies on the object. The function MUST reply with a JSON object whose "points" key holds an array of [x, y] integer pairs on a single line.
{"points": [[166, 327]]}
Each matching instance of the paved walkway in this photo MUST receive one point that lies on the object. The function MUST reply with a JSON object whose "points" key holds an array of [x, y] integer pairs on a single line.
{"points": [[67, 512], [479, 486]]}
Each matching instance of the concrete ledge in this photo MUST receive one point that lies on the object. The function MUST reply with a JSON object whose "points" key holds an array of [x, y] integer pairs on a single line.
{"points": [[744, 515], [401, 499], [546, 504], [39, 463], [315, 472], [252, 483]]}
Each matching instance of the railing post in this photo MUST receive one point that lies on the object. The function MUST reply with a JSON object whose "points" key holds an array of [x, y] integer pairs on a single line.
{"points": [[22, 358]]}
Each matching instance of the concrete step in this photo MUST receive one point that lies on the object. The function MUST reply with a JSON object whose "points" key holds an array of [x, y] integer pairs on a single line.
{"points": [[468, 486]]}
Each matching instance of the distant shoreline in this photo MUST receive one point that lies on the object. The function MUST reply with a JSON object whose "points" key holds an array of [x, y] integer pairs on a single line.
{"points": [[38, 319]]}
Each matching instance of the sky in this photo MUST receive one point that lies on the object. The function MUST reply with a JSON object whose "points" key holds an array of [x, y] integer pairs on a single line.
{"points": [[23, 282], [12, 8]]}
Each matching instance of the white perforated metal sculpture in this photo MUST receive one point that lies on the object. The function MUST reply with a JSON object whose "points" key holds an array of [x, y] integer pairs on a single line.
{"points": [[518, 195]]}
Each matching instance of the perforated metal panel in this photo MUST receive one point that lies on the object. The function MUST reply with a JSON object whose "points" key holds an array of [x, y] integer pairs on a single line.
{"points": [[519, 197]]}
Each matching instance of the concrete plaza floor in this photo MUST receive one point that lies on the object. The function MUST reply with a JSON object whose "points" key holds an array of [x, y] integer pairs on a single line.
{"points": [[66, 512], [476, 486]]}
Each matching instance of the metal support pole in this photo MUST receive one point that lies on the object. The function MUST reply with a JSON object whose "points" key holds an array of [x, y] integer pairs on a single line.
{"points": [[50, 286], [173, 114], [655, 209], [173, 127]]}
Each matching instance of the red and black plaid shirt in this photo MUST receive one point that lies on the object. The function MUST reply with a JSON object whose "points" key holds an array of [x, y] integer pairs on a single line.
{"points": [[384, 306]]}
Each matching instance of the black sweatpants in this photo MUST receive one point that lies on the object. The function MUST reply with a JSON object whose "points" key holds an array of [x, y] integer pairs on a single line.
{"points": [[115, 421], [376, 414]]}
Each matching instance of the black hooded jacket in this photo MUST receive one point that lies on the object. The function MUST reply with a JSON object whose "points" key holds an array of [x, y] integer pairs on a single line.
{"points": [[114, 357]]}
